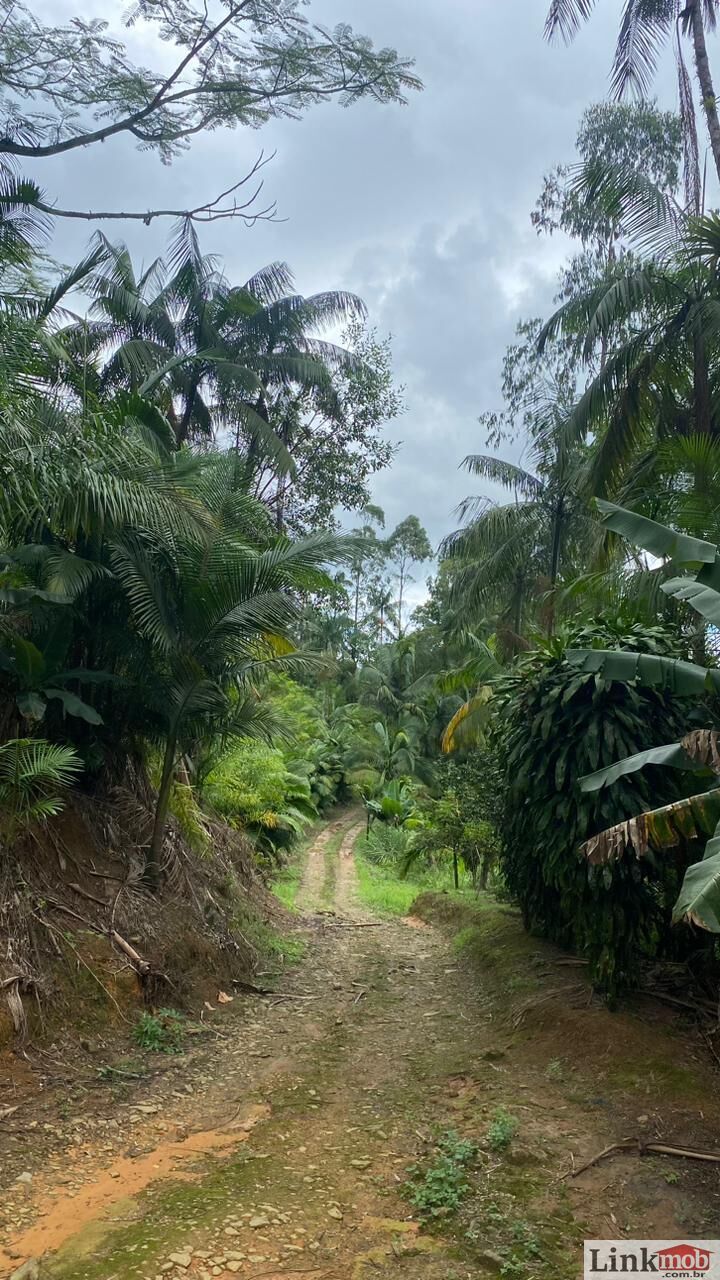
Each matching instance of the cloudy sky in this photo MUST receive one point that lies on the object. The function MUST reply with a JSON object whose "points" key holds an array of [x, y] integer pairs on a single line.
{"points": [[422, 209]]}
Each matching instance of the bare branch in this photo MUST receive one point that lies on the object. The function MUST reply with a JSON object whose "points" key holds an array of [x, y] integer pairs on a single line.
{"points": [[224, 205]]}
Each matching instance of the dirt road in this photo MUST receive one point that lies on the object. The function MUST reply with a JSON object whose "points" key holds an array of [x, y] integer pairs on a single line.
{"points": [[283, 1150]]}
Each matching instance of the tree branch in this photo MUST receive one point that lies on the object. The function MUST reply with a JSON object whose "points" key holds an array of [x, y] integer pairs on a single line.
{"points": [[130, 122], [224, 205]]}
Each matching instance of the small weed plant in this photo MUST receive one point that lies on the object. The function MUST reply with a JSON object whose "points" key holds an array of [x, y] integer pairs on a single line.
{"points": [[555, 1069], [160, 1032], [503, 1128], [437, 1189], [525, 1249]]}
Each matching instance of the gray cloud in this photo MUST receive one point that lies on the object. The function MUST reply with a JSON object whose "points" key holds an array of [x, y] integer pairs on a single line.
{"points": [[424, 210]]}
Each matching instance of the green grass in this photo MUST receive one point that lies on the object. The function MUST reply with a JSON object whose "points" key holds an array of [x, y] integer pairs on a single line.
{"points": [[382, 889], [286, 883], [162, 1032], [331, 852]]}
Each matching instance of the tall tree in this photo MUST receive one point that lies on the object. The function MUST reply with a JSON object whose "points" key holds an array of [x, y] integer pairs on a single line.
{"points": [[368, 553], [509, 555], [334, 433], [233, 63], [610, 135], [407, 545], [647, 25], [212, 355], [657, 321]]}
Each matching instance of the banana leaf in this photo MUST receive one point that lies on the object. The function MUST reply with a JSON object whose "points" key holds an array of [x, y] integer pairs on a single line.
{"points": [[466, 726], [656, 538], [684, 678], [703, 599], [697, 750], [699, 898], [673, 755], [694, 818]]}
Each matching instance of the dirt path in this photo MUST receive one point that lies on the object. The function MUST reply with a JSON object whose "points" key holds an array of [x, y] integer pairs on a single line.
{"points": [[284, 1151]]}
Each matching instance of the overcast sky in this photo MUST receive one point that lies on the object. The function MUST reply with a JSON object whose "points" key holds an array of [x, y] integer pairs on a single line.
{"points": [[422, 209]]}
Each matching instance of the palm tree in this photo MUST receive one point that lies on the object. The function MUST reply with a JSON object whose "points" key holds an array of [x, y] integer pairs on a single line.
{"points": [[659, 322], [508, 554], [33, 775], [391, 685], [381, 599], [389, 754], [216, 616], [213, 356], [645, 26]]}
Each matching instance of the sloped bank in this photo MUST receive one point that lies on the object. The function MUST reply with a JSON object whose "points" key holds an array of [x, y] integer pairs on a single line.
{"points": [[85, 944]]}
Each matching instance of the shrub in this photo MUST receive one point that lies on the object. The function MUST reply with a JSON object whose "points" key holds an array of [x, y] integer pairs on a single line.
{"points": [[387, 846], [556, 724], [252, 788], [189, 817]]}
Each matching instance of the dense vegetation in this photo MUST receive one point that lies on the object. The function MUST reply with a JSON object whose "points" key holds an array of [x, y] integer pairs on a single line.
{"points": [[199, 602]]}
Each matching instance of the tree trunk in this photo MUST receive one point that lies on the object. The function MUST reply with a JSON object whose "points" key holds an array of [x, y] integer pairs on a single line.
{"points": [[456, 871], [555, 554], [702, 66], [6, 718], [611, 256], [517, 612], [356, 614], [556, 549], [701, 387], [182, 429], [154, 854], [400, 603]]}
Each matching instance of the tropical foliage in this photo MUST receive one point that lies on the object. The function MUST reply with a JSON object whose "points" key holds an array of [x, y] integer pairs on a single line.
{"points": [[694, 818], [202, 608], [148, 587], [559, 723]]}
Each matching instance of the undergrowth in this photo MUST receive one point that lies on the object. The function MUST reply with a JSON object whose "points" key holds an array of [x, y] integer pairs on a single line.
{"points": [[384, 889], [438, 1188], [503, 1128], [286, 883], [161, 1032]]}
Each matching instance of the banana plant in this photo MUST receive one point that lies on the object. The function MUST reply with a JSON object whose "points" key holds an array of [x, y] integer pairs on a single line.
{"points": [[36, 681], [394, 805], [698, 816]]}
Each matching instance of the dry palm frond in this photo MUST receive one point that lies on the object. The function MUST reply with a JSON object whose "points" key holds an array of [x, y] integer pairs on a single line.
{"points": [[694, 818]]}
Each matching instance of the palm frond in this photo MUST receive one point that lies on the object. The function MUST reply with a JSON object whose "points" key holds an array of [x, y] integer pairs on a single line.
{"points": [[565, 18], [508, 474], [644, 28]]}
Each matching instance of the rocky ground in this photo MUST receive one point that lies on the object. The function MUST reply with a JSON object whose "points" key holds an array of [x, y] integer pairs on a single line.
{"points": [[401, 1105]]}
